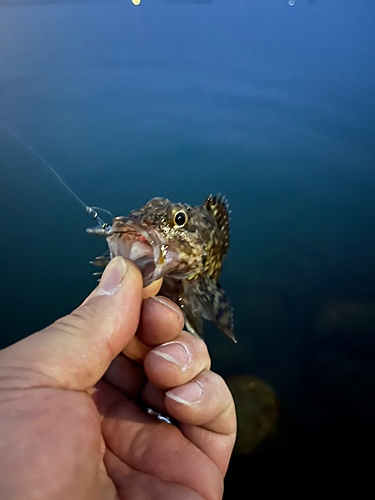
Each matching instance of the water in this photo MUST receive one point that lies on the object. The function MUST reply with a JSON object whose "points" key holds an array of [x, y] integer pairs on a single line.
{"points": [[271, 104]]}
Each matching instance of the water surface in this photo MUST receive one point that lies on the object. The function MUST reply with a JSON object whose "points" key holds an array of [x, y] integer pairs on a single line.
{"points": [[269, 103]]}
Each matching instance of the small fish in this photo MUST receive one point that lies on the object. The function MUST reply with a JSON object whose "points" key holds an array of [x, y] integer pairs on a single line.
{"points": [[185, 246]]}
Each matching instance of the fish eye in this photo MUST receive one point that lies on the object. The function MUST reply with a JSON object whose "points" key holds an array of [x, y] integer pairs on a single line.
{"points": [[180, 218]]}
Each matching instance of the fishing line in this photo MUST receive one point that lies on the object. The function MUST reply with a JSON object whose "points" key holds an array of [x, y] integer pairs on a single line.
{"points": [[90, 210]]}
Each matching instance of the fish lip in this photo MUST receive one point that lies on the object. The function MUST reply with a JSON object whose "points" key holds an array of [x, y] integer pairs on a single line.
{"points": [[165, 256], [154, 240]]}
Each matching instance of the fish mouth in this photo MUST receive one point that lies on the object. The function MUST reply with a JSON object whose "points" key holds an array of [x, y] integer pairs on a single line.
{"points": [[139, 242]]}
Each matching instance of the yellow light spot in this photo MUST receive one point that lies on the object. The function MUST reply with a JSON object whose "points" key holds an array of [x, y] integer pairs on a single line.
{"points": [[136, 2]]}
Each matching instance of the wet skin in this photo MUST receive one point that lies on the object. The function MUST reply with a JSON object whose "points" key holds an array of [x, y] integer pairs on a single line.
{"points": [[71, 422]]}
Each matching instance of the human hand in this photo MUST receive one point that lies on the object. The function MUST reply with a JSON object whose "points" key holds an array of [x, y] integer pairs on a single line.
{"points": [[72, 425]]}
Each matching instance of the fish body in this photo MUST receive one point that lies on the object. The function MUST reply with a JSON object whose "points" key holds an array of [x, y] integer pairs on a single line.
{"points": [[183, 244]]}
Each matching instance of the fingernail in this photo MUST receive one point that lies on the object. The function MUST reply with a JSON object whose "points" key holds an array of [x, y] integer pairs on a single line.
{"points": [[174, 352], [112, 277], [189, 394], [167, 303]]}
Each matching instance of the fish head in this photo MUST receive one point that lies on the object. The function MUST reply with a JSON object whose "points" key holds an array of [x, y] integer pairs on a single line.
{"points": [[165, 238]]}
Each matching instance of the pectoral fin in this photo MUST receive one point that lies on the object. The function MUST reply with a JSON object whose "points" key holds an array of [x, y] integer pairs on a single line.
{"points": [[214, 305], [193, 313]]}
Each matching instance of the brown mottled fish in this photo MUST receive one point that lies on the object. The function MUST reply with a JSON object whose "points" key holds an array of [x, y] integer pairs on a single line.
{"points": [[186, 247]]}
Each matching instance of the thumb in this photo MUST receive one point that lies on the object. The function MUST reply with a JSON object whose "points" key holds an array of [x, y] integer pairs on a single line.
{"points": [[75, 351]]}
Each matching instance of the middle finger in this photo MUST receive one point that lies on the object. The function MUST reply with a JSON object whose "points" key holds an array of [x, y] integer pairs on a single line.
{"points": [[175, 363]]}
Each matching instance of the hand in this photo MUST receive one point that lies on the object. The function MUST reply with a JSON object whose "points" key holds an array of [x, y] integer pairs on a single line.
{"points": [[73, 424]]}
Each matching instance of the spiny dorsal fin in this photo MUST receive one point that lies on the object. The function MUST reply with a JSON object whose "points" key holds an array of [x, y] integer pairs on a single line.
{"points": [[218, 207]]}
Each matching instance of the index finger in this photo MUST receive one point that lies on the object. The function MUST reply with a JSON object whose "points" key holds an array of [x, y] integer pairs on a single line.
{"points": [[152, 289], [161, 320]]}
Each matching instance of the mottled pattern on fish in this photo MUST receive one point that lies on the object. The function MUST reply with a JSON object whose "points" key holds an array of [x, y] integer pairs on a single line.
{"points": [[185, 245]]}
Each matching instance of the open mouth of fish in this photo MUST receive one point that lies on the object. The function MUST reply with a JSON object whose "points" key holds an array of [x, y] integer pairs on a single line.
{"points": [[141, 243]]}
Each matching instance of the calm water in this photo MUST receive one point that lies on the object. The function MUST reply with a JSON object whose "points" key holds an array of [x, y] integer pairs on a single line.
{"points": [[269, 103]]}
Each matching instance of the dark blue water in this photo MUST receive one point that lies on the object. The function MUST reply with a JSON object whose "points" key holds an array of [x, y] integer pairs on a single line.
{"points": [[269, 103]]}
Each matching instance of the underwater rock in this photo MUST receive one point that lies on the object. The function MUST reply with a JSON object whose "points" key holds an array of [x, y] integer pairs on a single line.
{"points": [[257, 412]]}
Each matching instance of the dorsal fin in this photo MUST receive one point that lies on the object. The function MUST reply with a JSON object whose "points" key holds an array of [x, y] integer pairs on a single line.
{"points": [[218, 207]]}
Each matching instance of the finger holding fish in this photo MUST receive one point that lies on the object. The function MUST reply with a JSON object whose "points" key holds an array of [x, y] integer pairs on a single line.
{"points": [[152, 289], [176, 356], [161, 321]]}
